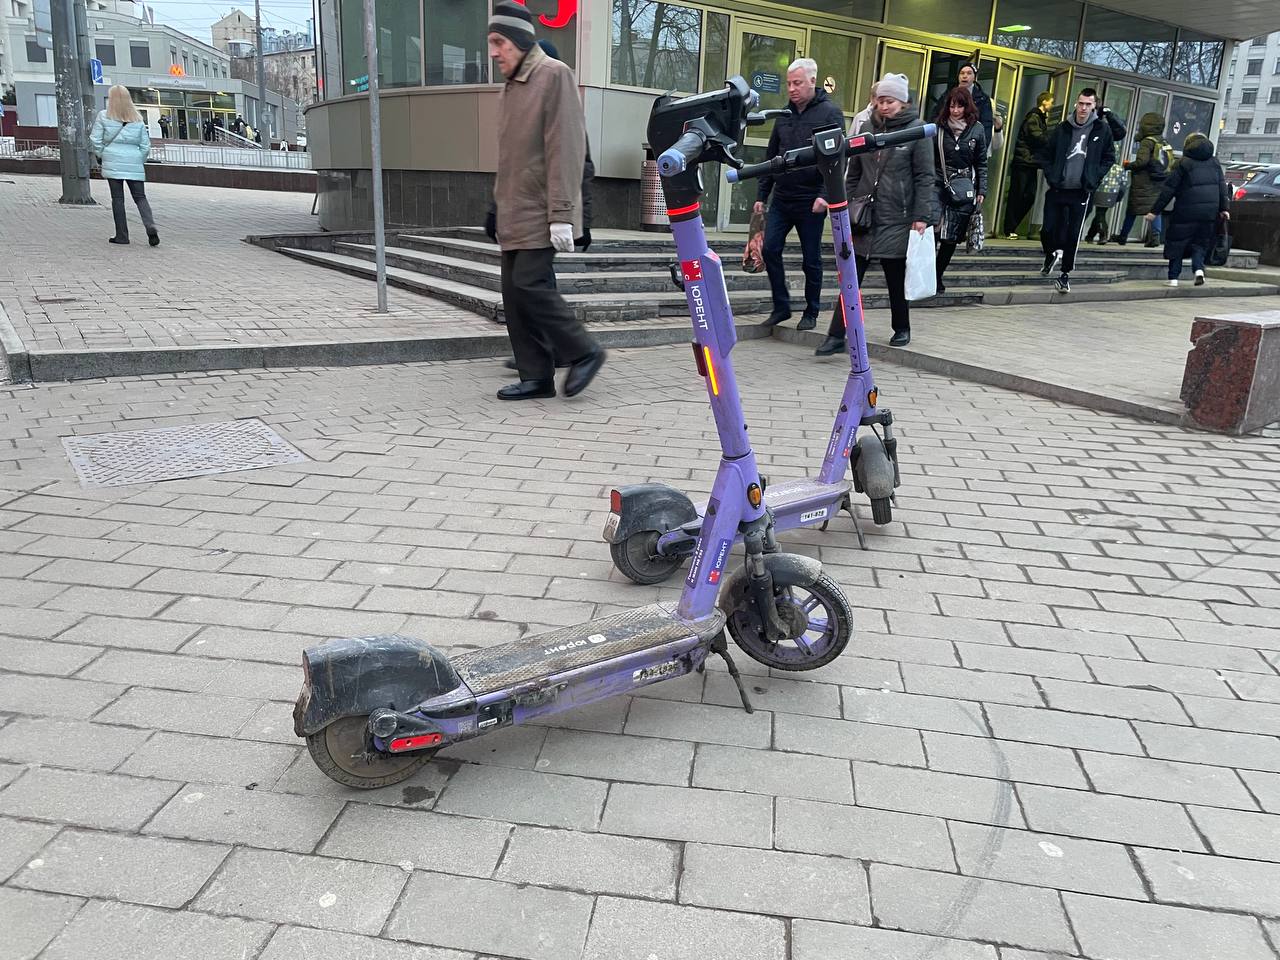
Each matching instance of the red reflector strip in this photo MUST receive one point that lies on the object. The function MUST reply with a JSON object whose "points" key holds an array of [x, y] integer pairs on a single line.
{"points": [[697, 359], [838, 206], [615, 501], [857, 142], [414, 743], [681, 211]]}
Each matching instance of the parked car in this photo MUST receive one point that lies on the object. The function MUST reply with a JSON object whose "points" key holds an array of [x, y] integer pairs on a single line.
{"points": [[1260, 185]]}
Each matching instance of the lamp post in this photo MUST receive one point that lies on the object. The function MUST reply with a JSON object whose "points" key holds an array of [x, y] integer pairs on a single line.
{"points": [[375, 138]]}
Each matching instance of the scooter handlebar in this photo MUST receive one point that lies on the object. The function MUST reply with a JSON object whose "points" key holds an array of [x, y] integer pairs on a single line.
{"points": [[805, 156], [675, 159]]}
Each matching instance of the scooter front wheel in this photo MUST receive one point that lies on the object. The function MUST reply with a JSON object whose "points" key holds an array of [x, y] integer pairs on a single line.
{"points": [[341, 753], [820, 620], [637, 558]]}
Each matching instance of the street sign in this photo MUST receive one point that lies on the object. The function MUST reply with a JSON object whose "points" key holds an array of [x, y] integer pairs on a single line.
{"points": [[95, 69]]}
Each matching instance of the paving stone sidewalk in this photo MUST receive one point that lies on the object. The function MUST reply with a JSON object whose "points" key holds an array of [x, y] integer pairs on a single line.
{"points": [[1055, 734]]}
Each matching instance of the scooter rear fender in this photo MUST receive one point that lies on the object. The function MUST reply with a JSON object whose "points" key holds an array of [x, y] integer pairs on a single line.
{"points": [[346, 678], [649, 506]]}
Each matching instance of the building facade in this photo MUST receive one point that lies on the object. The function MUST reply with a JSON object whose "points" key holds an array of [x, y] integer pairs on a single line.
{"points": [[440, 92], [168, 73], [1251, 116], [235, 34]]}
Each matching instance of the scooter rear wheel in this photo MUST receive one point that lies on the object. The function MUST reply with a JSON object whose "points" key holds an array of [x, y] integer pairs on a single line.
{"points": [[821, 609], [881, 511], [340, 752], [637, 558]]}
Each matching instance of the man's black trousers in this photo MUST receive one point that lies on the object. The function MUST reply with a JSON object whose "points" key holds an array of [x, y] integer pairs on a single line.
{"points": [[1064, 213], [541, 325]]}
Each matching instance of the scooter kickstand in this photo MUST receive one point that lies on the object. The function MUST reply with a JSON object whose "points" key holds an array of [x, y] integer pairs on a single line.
{"points": [[721, 647], [857, 527]]}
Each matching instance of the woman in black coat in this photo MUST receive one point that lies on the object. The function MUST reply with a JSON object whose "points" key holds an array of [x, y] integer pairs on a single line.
{"points": [[1199, 188], [962, 141]]}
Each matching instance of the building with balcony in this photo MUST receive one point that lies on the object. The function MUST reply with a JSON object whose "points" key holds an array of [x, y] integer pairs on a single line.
{"points": [[1251, 110]]}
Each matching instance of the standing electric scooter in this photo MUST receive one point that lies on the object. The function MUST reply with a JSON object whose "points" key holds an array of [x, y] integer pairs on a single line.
{"points": [[652, 527], [373, 710]]}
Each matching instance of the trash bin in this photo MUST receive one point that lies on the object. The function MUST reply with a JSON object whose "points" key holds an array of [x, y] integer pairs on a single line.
{"points": [[653, 205]]}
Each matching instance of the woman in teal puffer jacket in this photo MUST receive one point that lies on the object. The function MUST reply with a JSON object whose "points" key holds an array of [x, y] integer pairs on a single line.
{"points": [[120, 139]]}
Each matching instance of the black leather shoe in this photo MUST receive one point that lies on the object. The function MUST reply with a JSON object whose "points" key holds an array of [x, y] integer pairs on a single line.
{"points": [[582, 372], [511, 364], [831, 346], [153, 237], [528, 390], [777, 317], [808, 321], [118, 240], [900, 339]]}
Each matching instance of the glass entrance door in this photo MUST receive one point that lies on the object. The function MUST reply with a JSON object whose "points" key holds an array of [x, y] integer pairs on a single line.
{"points": [[906, 59], [760, 53]]}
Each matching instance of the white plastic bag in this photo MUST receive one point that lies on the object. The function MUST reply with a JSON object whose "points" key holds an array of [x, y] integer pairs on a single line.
{"points": [[922, 279]]}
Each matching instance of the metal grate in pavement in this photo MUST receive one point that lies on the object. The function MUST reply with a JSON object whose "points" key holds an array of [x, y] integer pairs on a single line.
{"points": [[172, 453]]}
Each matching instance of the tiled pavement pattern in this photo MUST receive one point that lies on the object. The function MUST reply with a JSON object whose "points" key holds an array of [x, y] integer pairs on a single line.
{"points": [[1056, 733], [200, 287]]}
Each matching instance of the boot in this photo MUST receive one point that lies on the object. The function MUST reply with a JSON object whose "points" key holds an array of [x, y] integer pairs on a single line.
{"points": [[830, 346]]}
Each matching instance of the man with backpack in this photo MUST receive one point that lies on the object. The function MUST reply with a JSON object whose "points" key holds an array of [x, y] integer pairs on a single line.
{"points": [[1149, 170]]}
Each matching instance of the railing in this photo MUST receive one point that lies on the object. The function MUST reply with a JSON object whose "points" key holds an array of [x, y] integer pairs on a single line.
{"points": [[182, 154], [233, 139]]}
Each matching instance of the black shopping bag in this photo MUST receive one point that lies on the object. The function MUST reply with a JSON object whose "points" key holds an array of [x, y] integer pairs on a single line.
{"points": [[1221, 246]]}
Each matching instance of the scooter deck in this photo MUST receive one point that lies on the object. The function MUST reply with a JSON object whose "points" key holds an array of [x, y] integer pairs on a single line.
{"points": [[576, 647]]}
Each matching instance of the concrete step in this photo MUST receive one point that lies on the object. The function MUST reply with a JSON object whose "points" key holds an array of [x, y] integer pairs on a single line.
{"points": [[589, 307], [658, 280]]}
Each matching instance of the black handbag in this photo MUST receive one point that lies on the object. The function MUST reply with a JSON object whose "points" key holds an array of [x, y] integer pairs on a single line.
{"points": [[860, 219], [1221, 251], [958, 190]]}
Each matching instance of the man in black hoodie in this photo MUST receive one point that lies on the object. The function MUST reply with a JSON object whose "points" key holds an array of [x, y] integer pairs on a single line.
{"points": [[797, 196], [1080, 151]]}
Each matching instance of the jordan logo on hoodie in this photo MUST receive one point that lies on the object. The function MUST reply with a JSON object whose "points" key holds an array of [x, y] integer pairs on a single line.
{"points": [[1079, 149]]}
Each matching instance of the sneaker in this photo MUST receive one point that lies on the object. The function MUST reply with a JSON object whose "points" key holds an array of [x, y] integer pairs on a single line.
{"points": [[1199, 278], [1011, 236], [1051, 263], [900, 338], [1062, 284], [831, 346], [1171, 283], [777, 317]]}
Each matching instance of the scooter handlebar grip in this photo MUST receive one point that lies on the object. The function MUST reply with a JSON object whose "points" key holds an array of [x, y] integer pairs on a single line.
{"points": [[675, 159], [752, 170]]}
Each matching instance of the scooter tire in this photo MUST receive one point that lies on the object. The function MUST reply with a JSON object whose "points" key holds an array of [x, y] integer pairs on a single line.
{"points": [[833, 601], [331, 751], [881, 511], [635, 559]]}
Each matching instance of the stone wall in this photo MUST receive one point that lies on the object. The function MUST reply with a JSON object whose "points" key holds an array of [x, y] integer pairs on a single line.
{"points": [[1255, 225]]}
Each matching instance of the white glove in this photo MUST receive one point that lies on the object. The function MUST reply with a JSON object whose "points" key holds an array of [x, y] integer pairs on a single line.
{"points": [[562, 237]]}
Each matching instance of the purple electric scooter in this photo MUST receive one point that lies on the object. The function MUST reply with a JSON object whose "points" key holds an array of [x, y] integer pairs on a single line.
{"points": [[653, 527], [373, 710]]}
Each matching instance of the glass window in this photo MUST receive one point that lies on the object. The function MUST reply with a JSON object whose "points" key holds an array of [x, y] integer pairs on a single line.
{"points": [[1247, 97], [145, 95], [139, 53], [456, 46], [1121, 42], [1197, 59], [564, 38], [105, 50], [968, 19], [1237, 156], [1039, 27], [1264, 158], [1254, 69], [655, 45], [46, 110], [1276, 68], [36, 54], [1274, 96], [1259, 41], [872, 10], [838, 56], [1271, 126], [399, 45], [1243, 124], [715, 57]]}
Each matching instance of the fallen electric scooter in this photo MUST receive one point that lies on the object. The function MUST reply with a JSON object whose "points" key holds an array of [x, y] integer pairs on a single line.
{"points": [[373, 710], [653, 527]]}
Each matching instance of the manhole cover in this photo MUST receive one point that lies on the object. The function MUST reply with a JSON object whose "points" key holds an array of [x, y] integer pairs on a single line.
{"points": [[171, 453]]}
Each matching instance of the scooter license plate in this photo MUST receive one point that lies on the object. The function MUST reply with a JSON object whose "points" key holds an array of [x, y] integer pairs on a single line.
{"points": [[611, 527]]}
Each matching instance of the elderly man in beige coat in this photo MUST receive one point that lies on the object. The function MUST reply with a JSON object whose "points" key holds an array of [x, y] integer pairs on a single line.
{"points": [[538, 197]]}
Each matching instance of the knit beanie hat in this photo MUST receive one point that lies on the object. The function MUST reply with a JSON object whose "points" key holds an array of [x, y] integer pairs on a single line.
{"points": [[514, 22], [894, 85]]}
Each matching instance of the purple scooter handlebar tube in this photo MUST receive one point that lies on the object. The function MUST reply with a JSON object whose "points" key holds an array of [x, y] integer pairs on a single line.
{"points": [[805, 157]]}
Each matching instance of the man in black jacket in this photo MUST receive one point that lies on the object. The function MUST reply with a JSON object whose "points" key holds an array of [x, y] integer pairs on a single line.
{"points": [[1032, 136], [1078, 155], [797, 196]]}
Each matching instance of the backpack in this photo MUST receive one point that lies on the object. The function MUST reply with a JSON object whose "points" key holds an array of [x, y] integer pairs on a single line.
{"points": [[1161, 160]]}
